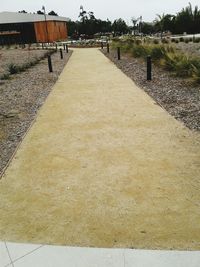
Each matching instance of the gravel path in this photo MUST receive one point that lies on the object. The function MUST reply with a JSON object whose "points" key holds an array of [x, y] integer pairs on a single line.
{"points": [[177, 96], [20, 99], [103, 166]]}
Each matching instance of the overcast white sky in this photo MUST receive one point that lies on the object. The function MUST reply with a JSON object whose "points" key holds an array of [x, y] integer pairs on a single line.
{"points": [[102, 9]]}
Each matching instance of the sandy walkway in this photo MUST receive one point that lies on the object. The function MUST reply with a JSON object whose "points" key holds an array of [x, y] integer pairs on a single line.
{"points": [[103, 166]]}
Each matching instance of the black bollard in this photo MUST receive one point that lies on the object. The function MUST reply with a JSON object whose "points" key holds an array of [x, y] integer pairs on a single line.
{"points": [[50, 64], [101, 45], [67, 50], [118, 53], [61, 53], [148, 68], [108, 48], [56, 48], [64, 46]]}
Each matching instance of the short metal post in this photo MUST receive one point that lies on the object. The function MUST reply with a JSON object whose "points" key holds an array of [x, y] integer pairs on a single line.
{"points": [[108, 48], [101, 45], [50, 64], [118, 53], [67, 50], [149, 68], [61, 53], [56, 48], [64, 46]]}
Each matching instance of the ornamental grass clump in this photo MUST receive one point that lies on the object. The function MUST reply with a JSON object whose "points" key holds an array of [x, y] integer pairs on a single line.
{"points": [[165, 56], [13, 68]]}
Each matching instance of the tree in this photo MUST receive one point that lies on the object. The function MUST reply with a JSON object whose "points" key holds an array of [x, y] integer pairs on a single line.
{"points": [[165, 23], [159, 22], [134, 21], [188, 20], [39, 12], [52, 13], [22, 11], [147, 28], [120, 27]]}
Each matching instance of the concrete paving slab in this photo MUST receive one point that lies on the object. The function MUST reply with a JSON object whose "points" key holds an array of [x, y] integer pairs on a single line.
{"points": [[4, 256], [51, 256], [103, 166]]}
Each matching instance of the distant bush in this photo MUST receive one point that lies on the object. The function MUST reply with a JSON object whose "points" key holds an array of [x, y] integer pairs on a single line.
{"points": [[138, 41], [155, 41], [186, 40], [5, 76], [181, 39], [196, 74], [164, 41], [196, 40]]}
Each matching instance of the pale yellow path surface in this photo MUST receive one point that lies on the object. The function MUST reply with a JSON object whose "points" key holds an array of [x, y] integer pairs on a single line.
{"points": [[103, 166]]}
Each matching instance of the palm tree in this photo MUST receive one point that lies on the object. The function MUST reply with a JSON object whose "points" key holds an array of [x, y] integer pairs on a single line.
{"points": [[159, 22], [134, 21]]}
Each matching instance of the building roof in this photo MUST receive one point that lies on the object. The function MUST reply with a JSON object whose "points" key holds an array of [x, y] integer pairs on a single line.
{"points": [[14, 17]]}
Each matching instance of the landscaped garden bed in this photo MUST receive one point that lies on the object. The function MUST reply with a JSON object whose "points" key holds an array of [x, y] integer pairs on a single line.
{"points": [[22, 94], [175, 77]]}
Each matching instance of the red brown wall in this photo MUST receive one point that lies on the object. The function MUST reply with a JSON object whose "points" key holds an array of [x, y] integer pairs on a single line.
{"points": [[57, 31]]}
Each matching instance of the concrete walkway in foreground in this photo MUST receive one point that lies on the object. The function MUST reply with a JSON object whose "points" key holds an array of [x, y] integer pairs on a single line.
{"points": [[32, 255], [103, 166]]}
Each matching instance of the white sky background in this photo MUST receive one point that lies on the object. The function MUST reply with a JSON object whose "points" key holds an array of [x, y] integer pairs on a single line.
{"points": [[102, 9]]}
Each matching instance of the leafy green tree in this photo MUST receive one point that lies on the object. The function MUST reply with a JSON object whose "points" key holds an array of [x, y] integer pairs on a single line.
{"points": [[188, 20], [52, 13], [39, 12], [22, 11], [147, 28], [120, 27]]}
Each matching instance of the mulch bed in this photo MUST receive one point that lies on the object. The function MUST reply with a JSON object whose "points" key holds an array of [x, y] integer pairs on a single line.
{"points": [[178, 96]]}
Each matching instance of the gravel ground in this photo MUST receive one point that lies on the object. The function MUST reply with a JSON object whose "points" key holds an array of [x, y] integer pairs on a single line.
{"points": [[179, 97], [17, 56], [192, 49], [21, 97]]}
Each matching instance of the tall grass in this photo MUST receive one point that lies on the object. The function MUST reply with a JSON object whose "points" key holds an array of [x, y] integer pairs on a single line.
{"points": [[163, 55]]}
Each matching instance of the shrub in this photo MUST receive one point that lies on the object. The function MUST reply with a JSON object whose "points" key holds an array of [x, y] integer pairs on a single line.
{"points": [[173, 40], [183, 66], [164, 41], [157, 52], [168, 61], [139, 51], [181, 39], [186, 40], [155, 41], [12, 68], [196, 74], [196, 40], [138, 42], [5, 76], [176, 41], [167, 57]]}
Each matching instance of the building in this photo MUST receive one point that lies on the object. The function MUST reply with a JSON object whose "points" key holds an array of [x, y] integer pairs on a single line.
{"points": [[24, 28]]}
